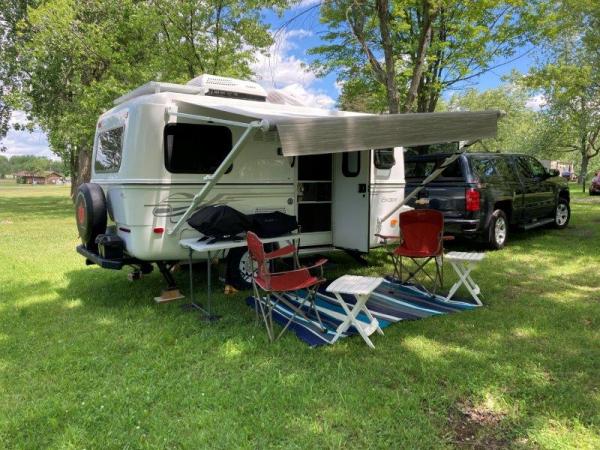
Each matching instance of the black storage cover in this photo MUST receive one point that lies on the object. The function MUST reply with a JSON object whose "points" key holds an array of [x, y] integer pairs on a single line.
{"points": [[273, 224], [220, 222]]}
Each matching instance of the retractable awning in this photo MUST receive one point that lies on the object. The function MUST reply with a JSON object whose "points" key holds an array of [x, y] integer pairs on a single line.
{"points": [[343, 134], [309, 131]]}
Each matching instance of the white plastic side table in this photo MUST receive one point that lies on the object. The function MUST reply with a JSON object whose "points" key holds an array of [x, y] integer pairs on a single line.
{"points": [[361, 288], [463, 263]]}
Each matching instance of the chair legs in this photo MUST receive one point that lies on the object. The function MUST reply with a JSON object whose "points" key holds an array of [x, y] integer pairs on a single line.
{"points": [[437, 279], [267, 303]]}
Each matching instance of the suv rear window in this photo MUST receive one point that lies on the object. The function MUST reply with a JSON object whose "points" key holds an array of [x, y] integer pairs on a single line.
{"points": [[196, 148], [422, 168], [487, 168]]}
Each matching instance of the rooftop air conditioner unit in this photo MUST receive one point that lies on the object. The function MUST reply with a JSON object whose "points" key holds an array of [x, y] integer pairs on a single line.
{"points": [[229, 87]]}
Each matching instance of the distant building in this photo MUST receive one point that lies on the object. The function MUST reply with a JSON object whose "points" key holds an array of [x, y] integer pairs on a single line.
{"points": [[25, 177], [565, 169]]}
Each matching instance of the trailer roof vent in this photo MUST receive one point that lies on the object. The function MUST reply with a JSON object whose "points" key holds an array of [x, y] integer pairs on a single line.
{"points": [[229, 87]]}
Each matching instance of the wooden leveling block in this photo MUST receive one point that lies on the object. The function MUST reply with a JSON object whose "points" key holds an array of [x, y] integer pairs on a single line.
{"points": [[169, 295]]}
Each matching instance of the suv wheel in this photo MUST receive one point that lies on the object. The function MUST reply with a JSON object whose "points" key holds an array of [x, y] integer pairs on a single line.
{"points": [[562, 214], [498, 230]]}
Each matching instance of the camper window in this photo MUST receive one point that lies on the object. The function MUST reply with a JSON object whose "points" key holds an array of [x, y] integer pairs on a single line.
{"points": [[351, 164], [108, 150], [384, 158], [196, 148]]}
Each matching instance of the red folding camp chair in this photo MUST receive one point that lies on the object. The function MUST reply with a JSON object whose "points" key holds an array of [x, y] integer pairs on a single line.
{"points": [[421, 240], [276, 284]]}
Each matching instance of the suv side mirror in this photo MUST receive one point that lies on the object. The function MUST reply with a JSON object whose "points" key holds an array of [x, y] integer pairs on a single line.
{"points": [[553, 173]]}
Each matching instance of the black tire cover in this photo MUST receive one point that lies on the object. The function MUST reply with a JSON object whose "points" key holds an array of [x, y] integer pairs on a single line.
{"points": [[90, 213]]}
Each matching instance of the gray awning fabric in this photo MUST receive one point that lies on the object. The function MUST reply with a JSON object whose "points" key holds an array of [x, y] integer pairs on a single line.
{"points": [[344, 134], [309, 131]]}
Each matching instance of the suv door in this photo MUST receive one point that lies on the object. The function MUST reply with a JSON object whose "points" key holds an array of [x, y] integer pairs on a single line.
{"points": [[511, 187], [545, 191], [527, 189], [534, 195]]}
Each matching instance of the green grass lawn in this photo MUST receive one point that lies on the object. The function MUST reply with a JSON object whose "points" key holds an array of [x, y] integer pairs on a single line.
{"points": [[87, 360]]}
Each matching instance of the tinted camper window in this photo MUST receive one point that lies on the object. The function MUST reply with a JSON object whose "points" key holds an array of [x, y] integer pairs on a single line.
{"points": [[109, 150], [351, 164], [195, 148], [384, 158]]}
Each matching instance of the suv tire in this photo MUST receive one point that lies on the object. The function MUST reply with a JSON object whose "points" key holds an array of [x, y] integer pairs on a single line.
{"points": [[497, 231], [562, 214]]}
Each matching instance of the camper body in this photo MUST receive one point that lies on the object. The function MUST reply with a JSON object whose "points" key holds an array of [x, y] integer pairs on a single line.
{"points": [[150, 164], [166, 150]]}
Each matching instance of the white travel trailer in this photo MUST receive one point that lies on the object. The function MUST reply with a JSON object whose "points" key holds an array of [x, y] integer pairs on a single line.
{"points": [[165, 149]]}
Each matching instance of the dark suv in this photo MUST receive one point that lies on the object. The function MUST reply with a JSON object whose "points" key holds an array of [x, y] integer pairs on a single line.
{"points": [[482, 194]]}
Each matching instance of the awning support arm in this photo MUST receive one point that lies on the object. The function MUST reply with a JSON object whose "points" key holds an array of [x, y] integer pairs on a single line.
{"points": [[216, 176], [436, 173], [172, 112]]}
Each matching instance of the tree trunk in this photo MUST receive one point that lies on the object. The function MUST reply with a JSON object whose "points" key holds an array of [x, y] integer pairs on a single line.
{"points": [[585, 159], [388, 52], [424, 41], [81, 167]]}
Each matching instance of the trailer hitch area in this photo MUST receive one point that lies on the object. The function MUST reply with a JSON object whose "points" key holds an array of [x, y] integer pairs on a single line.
{"points": [[136, 275]]}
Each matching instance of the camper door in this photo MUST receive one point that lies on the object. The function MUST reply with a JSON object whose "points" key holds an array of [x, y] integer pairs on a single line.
{"points": [[350, 212]]}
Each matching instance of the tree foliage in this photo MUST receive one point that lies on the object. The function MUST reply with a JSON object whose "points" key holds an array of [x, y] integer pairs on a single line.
{"points": [[570, 82], [11, 13], [217, 36], [415, 49], [76, 57], [517, 130]]}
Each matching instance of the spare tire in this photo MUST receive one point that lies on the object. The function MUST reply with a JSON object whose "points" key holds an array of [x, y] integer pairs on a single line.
{"points": [[90, 214]]}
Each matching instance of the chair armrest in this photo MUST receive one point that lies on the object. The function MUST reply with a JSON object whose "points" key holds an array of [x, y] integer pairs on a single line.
{"points": [[318, 264], [281, 252]]}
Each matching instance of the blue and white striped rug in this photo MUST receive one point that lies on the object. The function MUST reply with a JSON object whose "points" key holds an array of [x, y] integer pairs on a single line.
{"points": [[391, 302]]}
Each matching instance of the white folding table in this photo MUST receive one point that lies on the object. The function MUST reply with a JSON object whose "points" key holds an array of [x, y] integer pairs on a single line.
{"points": [[210, 248], [361, 288], [463, 263]]}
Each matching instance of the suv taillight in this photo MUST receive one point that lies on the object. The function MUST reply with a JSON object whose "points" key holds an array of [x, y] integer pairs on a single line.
{"points": [[472, 199]]}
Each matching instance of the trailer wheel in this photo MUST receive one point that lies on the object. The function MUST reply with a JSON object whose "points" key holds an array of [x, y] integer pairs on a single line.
{"points": [[239, 268], [90, 214]]}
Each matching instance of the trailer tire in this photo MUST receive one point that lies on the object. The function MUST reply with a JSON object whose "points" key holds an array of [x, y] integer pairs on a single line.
{"points": [[90, 214], [239, 268]]}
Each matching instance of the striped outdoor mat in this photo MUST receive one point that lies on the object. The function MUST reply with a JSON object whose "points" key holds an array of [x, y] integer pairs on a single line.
{"points": [[389, 303]]}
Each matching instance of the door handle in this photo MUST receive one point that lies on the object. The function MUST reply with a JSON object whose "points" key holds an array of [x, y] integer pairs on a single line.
{"points": [[362, 188]]}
